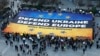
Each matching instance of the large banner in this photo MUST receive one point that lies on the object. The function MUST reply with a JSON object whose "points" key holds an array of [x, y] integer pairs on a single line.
{"points": [[65, 24]]}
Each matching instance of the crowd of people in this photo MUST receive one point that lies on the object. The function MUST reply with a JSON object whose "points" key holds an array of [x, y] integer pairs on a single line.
{"points": [[41, 43]]}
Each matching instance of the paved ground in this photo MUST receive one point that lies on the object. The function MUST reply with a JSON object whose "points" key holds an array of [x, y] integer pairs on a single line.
{"points": [[6, 50]]}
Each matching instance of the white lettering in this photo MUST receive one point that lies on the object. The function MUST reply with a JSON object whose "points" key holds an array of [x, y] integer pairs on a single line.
{"points": [[25, 22], [83, 26], [85, 22], [20, 21], [26, 18]]}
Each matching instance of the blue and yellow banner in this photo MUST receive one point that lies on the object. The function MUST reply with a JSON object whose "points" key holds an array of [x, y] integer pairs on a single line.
{"points": [[63, 24]]}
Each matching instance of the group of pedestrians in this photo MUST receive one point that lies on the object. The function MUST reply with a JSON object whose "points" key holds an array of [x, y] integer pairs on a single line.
{"points": [[28, 43]]}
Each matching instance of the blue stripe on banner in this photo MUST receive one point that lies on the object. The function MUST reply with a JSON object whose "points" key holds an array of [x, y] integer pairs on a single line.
{"points": [[55, 15]]}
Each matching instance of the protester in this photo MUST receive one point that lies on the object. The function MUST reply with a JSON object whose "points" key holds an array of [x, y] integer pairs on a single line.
{"points": [[16, 47], [84, 49], [11, 43], [6, 42], [18, 54]]}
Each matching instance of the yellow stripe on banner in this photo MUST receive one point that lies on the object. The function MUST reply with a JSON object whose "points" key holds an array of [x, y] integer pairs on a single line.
{"points": [[65, 32]]}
